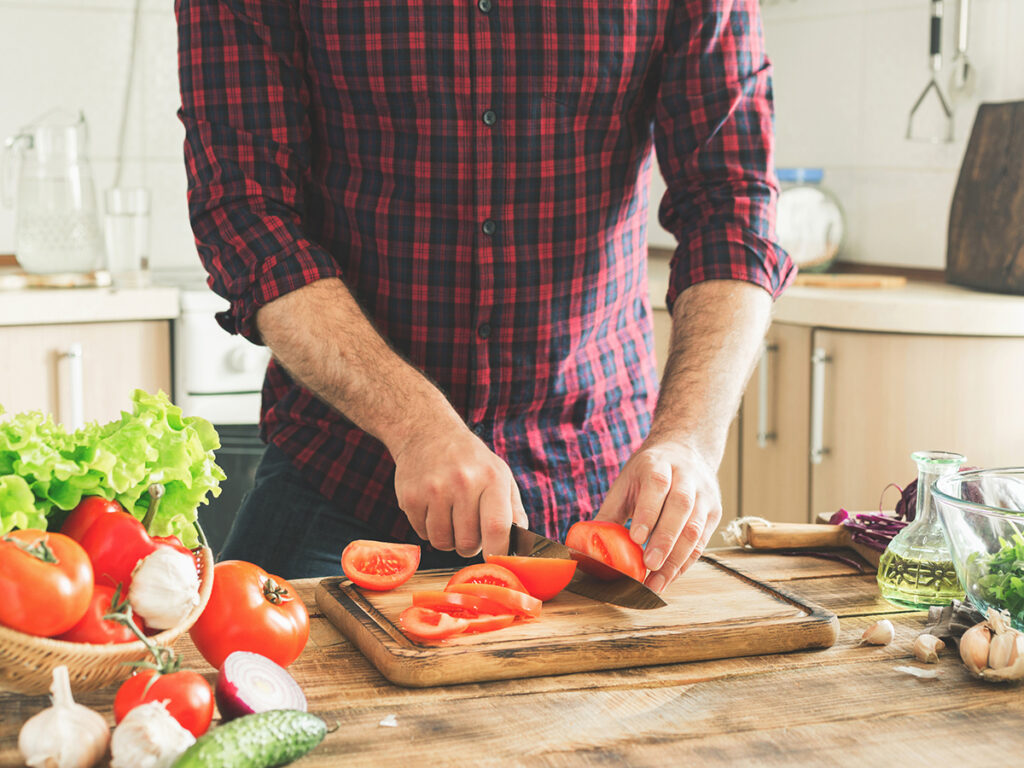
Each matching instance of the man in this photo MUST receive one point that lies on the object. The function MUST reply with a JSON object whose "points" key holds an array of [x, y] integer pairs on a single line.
{"points": [[433, 213]]}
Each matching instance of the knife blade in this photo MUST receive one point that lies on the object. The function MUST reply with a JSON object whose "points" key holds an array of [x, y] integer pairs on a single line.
{"points": [[624, 591]]}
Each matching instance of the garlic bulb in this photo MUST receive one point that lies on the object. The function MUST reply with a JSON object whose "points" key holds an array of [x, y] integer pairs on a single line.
{"points": [[880, 633], [148, 737], [165, 588], [67, 735], [994, 650], [927, 647]]}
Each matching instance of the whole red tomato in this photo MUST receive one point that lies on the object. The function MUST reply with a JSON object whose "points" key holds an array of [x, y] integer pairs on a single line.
{"points": [[250, 610], [93, 628], [189, 697], [45, 580]]}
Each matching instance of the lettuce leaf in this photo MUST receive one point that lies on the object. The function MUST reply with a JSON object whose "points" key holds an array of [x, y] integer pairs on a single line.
{"points": [[45, 471]]}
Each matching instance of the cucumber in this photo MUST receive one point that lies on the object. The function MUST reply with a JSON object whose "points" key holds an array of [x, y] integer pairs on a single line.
{"points": [[262, 740]]}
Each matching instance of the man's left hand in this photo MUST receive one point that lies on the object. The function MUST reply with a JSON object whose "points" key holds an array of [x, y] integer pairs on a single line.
{"points": [[671, 494]]}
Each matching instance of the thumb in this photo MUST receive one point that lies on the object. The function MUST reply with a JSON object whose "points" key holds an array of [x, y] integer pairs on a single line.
{"points": [[518, 511], [614, 506]]}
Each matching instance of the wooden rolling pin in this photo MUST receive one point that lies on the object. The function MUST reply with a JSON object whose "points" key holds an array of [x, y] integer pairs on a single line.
{"points": [[756, 533]]}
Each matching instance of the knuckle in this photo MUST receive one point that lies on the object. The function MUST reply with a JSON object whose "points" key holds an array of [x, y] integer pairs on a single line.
{"points": [[691, 534], [462, 478], [493, 526], [681, 497], [466, 546], [659, 479]]}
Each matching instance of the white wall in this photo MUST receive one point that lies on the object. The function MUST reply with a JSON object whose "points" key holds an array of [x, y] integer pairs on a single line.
{"points": [[846, 75], [74, 54]]}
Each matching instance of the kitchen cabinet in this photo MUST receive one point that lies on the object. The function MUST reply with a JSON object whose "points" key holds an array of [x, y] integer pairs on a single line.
{"points": [[83, 371], [832, 415]]}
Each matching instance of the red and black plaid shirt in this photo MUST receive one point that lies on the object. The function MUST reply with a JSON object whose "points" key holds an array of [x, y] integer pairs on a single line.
{"points": [[476, 172]]}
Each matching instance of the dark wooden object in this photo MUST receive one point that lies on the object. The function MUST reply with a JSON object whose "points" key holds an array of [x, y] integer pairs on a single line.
{"points": [[714, 613], [986, 221]]}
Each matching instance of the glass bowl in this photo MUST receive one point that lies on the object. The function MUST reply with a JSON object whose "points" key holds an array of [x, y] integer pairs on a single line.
{"points": [[982, 514]]}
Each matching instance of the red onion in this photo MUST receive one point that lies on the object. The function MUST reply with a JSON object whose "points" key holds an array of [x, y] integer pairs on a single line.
{"points": [[250, 683]]}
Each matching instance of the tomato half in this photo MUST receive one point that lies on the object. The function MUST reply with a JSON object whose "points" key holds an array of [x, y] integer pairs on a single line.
{"points": [[250, 610], [188, 696], [93, 628], [518, 603], [379, 565], [543, 577], [608, 543], [485, 573], [45, 580], [426, 624]]}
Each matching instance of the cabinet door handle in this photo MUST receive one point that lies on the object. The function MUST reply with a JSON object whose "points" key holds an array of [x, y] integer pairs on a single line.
{"points": [[76, 417], [819, 358], [763, 435]]}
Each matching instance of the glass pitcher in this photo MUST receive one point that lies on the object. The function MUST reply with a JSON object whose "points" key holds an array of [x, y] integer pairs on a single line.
{"points": [[48, 180]]}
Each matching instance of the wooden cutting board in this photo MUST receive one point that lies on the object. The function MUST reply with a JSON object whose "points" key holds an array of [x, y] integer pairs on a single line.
{"points": [[713, 612]]}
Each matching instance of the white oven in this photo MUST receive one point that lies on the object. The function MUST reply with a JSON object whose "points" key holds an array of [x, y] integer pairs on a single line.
{"points": [[219, 377]]}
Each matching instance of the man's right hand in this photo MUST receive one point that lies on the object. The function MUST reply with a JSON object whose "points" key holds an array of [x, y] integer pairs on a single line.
{"points": [[456, 492]]}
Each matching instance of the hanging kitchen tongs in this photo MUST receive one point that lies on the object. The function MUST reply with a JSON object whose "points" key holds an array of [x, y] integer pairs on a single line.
{"points": [[935, 58]]}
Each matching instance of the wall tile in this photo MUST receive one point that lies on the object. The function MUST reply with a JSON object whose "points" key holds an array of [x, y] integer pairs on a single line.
{"points": [[160, 98], [173, 246]]}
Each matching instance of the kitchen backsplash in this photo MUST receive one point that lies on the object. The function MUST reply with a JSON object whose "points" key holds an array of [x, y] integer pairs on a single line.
{"points": [[846, 75]]}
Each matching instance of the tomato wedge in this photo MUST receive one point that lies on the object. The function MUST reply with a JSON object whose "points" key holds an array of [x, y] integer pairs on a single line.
{"points": [[543, 577], [483, 615], [519, 603], [379, 565], [608, 543], [485, 573], [457, 603], [426, 624]]}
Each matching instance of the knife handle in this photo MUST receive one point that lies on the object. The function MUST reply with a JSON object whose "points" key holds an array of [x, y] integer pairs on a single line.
{"points": [[794, 535]]}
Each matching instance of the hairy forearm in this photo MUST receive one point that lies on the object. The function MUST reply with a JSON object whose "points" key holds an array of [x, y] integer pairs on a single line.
{"points": [[323, 339], [718, 327]]}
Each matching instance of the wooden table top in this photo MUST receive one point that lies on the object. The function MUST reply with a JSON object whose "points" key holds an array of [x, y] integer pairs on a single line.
{"points": [[844, 706]]}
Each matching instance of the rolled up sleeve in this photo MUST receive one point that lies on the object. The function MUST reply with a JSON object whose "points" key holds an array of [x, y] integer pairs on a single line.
{"points": [[714, 143], [247, 153]]}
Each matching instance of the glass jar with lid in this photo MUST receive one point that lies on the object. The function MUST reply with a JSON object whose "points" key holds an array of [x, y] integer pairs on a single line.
{"points": [[810, 222]]}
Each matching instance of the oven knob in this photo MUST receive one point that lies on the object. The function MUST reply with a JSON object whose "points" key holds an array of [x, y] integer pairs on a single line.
{"points": [[247, 359]]}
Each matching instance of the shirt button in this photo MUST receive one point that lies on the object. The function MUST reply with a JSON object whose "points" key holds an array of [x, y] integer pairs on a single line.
{"points": [[478, 429], [489, 118], [484, 330], [489, 227], [484, 6]]}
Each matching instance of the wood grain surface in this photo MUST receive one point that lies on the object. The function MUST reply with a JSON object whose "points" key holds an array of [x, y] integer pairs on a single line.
{"points": [[840, 706], [986, 229], [715, 612]]}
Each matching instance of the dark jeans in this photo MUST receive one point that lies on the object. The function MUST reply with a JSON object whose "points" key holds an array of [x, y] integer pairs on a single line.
{"points": [[291, 531]]}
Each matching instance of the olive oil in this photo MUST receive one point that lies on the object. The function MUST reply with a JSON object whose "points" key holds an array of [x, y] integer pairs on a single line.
{"points": [[916, 570], [917, 584]]}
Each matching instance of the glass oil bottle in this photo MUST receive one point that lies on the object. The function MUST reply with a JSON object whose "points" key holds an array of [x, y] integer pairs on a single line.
{"points": [[916, 570]]}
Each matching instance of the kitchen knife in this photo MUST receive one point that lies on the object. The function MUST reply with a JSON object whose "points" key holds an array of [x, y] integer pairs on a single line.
{"points": [[623, 591]]}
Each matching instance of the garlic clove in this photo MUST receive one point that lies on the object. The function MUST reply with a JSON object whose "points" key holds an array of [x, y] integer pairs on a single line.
{"points": [[1000, 650], [880, 633], [974, 647], [927, 647]]}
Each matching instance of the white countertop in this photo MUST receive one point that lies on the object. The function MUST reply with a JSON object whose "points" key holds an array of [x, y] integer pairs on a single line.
{"points": [[45, 306], [930, 308]]}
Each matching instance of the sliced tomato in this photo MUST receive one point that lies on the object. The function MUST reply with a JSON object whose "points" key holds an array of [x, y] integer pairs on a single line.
{"points": [[485, 573], [608, 543], [543, 577], [519, 603], [379, 565], [426, 624], [486, 622], [457, 603]]}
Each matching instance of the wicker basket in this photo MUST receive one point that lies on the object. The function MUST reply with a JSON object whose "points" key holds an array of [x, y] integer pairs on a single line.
{"points": [[27, 662]]}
